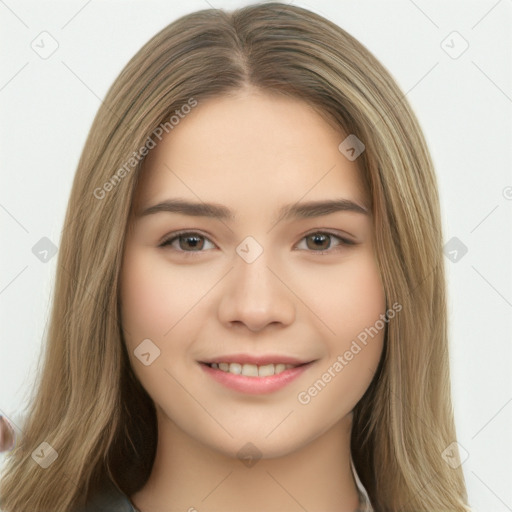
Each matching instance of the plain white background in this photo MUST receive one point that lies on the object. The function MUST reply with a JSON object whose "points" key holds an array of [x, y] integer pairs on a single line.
{"points": [[463, 100]]}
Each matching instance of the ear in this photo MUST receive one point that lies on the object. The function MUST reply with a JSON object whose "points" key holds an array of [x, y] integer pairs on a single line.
{"points": [[7, 435]]}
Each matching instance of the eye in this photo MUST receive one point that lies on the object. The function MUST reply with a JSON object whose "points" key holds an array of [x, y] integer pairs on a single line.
{"points": [[318, 242], [321, 242], [186, 240]]}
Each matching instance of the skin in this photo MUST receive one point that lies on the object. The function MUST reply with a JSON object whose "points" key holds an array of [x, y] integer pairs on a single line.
{"points": [[252, 153]]}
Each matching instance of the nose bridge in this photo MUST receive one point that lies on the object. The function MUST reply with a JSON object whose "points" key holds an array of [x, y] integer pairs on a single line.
{"points": [[255, 296], [253, 276]]}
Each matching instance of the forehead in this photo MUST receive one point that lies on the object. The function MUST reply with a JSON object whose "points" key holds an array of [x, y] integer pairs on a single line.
{"points": [[238, 150]]}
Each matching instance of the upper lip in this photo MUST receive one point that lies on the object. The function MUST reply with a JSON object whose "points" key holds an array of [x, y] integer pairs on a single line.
{"points": [[258, 360]]}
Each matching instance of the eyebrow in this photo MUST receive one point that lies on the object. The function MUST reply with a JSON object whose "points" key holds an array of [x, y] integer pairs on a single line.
{"points": [[290, 211]]}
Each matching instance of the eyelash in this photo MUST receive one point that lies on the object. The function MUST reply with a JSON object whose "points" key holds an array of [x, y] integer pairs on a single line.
{"points": [[175, 236]]}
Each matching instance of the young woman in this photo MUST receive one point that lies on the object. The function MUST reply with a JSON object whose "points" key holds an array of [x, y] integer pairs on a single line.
{"points": [[249, 309]]}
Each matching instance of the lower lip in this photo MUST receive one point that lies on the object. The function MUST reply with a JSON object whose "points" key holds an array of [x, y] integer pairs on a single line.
{"points": [[255, 385]]}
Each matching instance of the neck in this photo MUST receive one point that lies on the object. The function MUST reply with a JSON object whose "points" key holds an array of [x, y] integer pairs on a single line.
{"points": [[188, 475]]}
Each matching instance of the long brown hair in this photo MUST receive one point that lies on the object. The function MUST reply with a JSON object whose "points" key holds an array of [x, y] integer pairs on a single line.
{"points": [[87, 404]]}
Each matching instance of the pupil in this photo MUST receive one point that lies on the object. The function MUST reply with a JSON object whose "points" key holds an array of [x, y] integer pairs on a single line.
{"points": [[320, 238], [193, 241]]}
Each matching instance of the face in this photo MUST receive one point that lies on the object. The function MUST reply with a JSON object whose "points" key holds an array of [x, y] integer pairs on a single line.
{"points": [[247, 285]]}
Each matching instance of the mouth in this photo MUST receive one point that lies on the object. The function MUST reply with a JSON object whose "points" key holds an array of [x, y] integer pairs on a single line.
{"points": [[253, 370], [254, 375]]}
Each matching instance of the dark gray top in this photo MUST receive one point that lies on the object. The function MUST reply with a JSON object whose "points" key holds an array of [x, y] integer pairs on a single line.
{"points": [[109, 499]]}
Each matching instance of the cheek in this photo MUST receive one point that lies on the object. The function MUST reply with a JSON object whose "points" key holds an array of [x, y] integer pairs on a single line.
{"points": [[363, 299], [155, 302], [364, 306], [351, 306], [348, 299], [154, 296]]}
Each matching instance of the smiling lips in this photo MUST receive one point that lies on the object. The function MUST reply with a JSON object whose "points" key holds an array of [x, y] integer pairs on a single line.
{"points": [[254, 366], [254, 375]]}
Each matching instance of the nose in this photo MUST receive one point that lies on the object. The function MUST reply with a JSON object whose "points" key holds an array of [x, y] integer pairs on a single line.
{"points": [[256, 295]]}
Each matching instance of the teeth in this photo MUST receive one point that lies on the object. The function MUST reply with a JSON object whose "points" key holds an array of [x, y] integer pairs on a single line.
{"points": [[280, 367], [249, 370], [266, 370], [252, 370], [235, 368]]}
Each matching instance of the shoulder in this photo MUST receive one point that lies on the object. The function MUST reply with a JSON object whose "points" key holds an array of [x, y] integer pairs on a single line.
{"points": [[108, 499]]}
